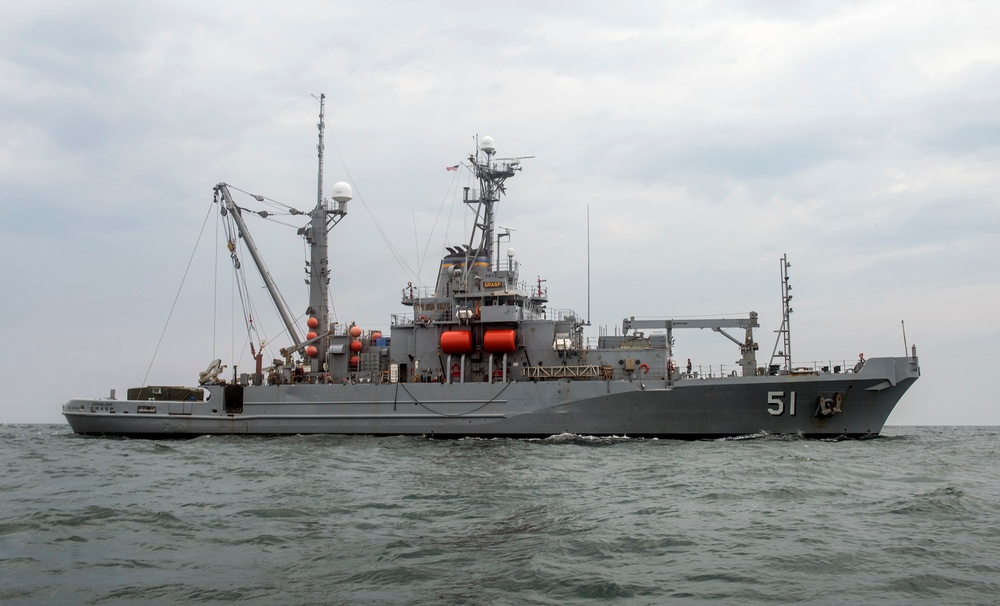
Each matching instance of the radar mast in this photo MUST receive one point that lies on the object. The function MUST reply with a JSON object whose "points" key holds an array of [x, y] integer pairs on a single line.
{"points": [[491, 173]]}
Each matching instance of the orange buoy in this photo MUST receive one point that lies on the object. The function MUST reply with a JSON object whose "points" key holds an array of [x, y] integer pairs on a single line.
{"points": [[310, 336], [312, 322], [311, 351], [376, 335], [355, 331], [500, 341], [355, 346], [456, 342], [355, 360]]}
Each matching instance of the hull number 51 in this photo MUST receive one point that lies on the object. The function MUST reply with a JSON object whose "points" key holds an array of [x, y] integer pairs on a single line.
{"points": [[776, 405]]}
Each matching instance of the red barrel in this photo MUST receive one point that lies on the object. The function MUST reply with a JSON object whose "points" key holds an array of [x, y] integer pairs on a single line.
{"points": [[500, 341], [456, 342]]}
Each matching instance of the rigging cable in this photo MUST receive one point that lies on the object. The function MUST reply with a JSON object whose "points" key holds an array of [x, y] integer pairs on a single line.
{"points": [[461, 414], [246, 300], [177, 296], [215, 289], [254, 331], [400, 259], [437, 219], [269, 201], [233, 239]]}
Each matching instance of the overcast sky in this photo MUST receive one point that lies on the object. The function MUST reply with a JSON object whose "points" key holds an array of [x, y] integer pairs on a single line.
{"points": [[705, 139]]}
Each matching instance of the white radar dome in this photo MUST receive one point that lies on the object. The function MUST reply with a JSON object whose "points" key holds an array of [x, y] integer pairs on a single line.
{"points": [[487, 145], [510, 253], [341, 191]]}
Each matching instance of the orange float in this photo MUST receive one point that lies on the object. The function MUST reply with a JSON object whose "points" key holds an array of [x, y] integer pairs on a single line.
{"points": [[500, 341], [456, 342]]}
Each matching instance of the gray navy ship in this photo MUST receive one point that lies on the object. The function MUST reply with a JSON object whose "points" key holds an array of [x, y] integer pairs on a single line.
{"points": [[482, 355]]}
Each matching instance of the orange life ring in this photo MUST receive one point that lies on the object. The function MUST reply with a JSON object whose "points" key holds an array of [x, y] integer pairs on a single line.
{"points": [[644, 367]]}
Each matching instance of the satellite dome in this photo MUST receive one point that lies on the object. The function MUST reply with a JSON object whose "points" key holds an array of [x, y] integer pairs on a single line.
{"points": [[488, 145], [510, 253], [341, 191]]}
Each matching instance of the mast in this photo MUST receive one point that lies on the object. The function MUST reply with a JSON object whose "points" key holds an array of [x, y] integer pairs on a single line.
{"points": [[588, 265], [322, 220], [321, 126], [785, 333], [491, 175]]}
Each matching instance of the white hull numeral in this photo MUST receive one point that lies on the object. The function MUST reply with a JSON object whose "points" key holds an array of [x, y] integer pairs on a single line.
{"points": [[776, 406]]}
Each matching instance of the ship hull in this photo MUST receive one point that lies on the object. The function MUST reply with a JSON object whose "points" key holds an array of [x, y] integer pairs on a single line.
{"points": [[810, 405]]}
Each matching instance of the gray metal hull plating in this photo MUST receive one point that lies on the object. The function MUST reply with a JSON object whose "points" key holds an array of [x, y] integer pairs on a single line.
{"points": [[690, 408]]}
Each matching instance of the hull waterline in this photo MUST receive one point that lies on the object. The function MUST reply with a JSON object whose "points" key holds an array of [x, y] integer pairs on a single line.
{"points": [[692, 409]]}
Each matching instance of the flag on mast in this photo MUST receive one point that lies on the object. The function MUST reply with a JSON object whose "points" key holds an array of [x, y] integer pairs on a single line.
{"points": [[451, 167]]}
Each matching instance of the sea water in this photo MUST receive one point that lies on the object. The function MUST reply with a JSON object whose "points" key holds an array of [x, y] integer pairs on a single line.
{"points": [[911, 517]]}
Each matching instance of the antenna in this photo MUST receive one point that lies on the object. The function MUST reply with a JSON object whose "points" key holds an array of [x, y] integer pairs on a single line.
{"points": [[785, 333], [320, 146], [588, 265], [504, 234]]}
